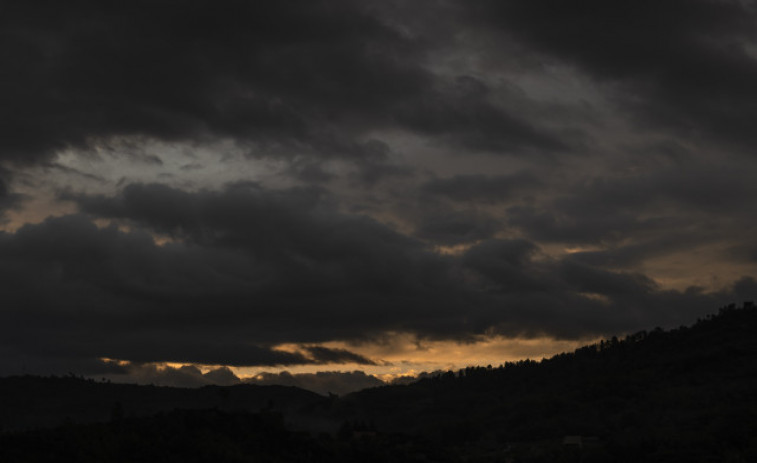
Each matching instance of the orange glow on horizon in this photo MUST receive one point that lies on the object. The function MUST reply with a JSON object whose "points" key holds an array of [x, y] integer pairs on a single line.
{"points": [[403, 355]]}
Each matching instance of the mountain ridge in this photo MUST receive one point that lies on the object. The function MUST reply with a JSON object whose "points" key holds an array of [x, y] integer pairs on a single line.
{"points": [[687, 394]]}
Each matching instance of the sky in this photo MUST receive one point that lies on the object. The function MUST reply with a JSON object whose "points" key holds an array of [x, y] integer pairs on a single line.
{"points": [[338, 193]]}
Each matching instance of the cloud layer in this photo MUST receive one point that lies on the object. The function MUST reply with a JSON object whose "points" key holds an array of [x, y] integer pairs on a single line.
{"points": [[237, 183], [247, 269]]}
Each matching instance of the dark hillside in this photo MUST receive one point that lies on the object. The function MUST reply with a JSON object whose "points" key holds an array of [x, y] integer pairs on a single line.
{"points": [[28, 402], [212, 436], [687, 391], [688, 394]]}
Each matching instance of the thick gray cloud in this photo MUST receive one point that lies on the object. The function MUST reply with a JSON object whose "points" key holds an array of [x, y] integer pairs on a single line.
{"points": [[556, 151], [256, 268], [449, 228], [633, 254], [464, 114], [293, 268], [681, 64], [327, 355], [679, 205], [295, 78], [258, 72], [482, 188], [84, 291], [8, 199]]}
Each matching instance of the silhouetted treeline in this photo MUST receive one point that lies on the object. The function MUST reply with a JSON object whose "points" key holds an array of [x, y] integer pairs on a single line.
{"points": [[28, 402], [186, 436], [688, 394]]}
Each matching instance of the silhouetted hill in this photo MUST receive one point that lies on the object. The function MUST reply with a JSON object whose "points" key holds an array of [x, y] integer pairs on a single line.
{"points": [[186, 436], [32, 402], [688, 394]]}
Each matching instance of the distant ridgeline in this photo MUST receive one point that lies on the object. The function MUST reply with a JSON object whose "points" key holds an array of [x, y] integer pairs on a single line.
{"points": [[688, 394], [732, 332]]}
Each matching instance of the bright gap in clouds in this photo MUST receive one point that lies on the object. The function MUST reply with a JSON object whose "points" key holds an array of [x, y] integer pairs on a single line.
{"points": [[403, 354], [397, 357]]}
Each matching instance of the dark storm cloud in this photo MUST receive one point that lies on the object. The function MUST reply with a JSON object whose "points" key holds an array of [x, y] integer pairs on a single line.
{"points": [[455, 210], [301, 253], [268, 223], [529, 294], [696, 186], [506, 265], [687, 203], [681, 64], [255, 267], [464, 114], [3, 189], [588, 279], [579, 226], [322, 354], [450, 228], [284, 78], [317, 76], [147, 348], [254, 71], [746, 252], [21, 362], [634, 254], [481, 188], [80, 291], [5, 196], [8, 199], [350, 275], [246, 267], [71, 171], [310, 172]]}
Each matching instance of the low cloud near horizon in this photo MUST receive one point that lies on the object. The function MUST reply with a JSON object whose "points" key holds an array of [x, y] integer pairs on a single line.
{"points": [[188, 376], [308, 184]]}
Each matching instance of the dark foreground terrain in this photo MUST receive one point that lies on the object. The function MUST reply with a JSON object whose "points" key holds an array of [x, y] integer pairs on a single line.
{"points": [[686, 395]]}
